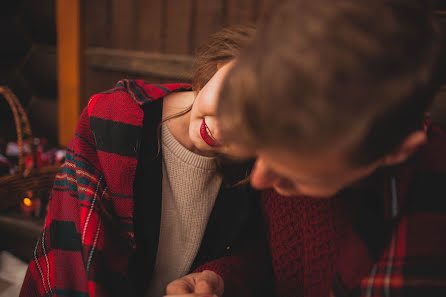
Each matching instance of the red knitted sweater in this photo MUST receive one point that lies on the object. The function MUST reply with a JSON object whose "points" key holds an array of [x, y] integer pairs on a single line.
{"points": [[303, 237]]}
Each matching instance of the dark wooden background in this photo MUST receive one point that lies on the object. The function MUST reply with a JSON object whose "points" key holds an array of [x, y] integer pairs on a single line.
{"points": [[153, 39], [148, 39], [156, 39]]}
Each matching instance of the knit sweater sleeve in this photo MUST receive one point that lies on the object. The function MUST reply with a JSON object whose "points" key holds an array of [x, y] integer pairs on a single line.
{"points": [[244, 274]]}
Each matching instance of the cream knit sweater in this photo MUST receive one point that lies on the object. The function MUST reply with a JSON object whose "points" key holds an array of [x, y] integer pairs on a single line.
{"points": [[190, 186]]}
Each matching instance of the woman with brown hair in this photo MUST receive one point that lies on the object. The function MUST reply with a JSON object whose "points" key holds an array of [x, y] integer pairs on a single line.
{"points": [[145, 196]]}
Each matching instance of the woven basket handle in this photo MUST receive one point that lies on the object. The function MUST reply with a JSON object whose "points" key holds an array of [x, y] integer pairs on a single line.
{"points": [[21, 124]]}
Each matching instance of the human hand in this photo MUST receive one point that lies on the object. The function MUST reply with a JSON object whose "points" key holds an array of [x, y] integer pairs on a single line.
{"points": [[205, 283]]}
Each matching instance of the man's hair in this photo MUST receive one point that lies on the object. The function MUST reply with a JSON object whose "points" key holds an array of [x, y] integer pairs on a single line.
{"points": [[353, 73]]}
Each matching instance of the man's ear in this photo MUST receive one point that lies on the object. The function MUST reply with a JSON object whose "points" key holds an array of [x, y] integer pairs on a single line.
{"points": [[412, 142]]}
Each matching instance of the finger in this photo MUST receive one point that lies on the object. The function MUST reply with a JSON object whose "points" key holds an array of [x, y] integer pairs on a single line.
{"points": [[209, 283], [204, 287], [179, 286]]}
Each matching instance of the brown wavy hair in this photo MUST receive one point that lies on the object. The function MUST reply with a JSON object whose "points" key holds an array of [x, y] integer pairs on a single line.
{"points": [[219, 49]]}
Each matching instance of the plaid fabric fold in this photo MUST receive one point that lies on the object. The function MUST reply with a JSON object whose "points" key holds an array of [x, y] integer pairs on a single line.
{"points": [[397, 245]]}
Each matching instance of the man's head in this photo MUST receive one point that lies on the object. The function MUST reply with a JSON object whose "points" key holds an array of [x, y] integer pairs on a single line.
{"points": [[331, 90]]}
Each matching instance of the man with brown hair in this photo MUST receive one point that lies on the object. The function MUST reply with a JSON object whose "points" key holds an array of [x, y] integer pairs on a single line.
{"points": [[332, 98]]}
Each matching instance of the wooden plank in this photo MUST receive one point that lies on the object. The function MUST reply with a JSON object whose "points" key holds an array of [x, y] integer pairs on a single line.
{"points": [[250, 9], [232, 11], [148, 28], [19, 233], [134, 62], [123, 24], [69, 42], [98, 23], [208, 18], [263, 6], [177, 32], [241, 11], [98, 80], [16, 221]]}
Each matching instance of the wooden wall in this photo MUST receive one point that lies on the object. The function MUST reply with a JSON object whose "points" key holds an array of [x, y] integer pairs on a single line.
{"points": [[167, 26], [149, 39], [156, 39], [153, 39]]}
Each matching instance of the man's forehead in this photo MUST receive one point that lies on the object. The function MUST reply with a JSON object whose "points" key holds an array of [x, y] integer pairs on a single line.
{"points": [[322, 163]]}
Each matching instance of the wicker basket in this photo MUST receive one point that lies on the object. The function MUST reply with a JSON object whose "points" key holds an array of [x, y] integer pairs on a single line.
{"points": [[36, 180]]}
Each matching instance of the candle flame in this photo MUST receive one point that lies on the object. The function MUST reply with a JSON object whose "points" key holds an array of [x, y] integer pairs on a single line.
{"points": [[27, 202]]}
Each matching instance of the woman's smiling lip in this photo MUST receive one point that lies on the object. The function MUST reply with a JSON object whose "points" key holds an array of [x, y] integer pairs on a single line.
{"points": [[206, 134]]}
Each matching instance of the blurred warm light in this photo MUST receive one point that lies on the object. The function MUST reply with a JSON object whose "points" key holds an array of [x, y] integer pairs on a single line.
{"points": [[27, 202]]}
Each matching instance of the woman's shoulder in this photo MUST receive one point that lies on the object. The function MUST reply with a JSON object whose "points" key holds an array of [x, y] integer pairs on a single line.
{"points": [[123, 103]]}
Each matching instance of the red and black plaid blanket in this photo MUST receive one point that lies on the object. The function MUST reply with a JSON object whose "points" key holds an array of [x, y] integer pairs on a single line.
{"points": [[88, 246]]}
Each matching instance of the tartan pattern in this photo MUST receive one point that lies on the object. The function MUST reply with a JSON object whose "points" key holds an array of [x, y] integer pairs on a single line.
{"points": [[409, 268], [412, 258], [320, 246], [88, 236]]}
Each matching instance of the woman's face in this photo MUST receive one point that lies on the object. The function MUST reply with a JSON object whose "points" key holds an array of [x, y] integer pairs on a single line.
{"points": [[203, 128]]}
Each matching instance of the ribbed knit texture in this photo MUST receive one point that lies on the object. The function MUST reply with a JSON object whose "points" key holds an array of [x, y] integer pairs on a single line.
{"points": [[190, 186], [304, 235]]}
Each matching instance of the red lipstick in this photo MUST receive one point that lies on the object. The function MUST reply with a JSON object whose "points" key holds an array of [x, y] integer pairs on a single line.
{"points": [[206, 134]]}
